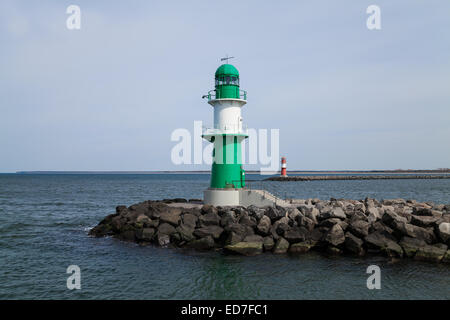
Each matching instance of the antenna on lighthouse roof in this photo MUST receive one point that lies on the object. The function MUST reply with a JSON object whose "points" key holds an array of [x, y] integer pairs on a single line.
{"points": [[226, 58]]}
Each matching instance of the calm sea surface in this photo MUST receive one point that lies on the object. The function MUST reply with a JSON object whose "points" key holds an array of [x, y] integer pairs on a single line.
{"points": [[44, 223]]}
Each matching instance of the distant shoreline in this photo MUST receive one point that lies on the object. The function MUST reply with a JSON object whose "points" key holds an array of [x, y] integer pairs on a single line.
{"points": [[290, 172]]}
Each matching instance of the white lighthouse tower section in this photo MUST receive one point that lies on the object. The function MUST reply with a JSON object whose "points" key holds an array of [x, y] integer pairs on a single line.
{"points": [[227, 115]]}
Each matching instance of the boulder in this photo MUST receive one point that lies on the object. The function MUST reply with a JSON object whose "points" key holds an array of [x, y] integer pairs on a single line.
{"points": [[165, 228], [145, 234], [189, 220], [163, 239], [263, 227], [434, 253], [330, 212], [359, 228], [275, 213], [443, 231], [446, 258], [202, 243], [411, 245], [422, 211], [373, 214], [295, 234], [333, 250], [301, 247], [256, 212], [233, 237], [171, 216], [245, 248], [281, 246], [293, 213], [253, 238], [214, 231], [335, 236], [208, 209], [268, 243], [127, 234], [185, 232], [229, 217], [246, 220], [239, 229], [384, 243], [423, 221], [353, 244], [119, 209], [391, 219], [329, 223], [306, 222], [209, 219]]}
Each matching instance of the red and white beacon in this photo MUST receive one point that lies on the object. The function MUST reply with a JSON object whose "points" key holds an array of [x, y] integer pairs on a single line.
{"points": [[283, 167]]}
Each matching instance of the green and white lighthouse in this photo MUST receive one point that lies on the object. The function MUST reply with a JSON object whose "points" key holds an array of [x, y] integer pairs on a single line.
{"points": [[227, 173]]}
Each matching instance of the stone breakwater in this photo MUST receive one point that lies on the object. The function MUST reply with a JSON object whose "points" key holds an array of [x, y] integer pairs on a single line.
{"points": [[395, 228], [358, 177]]}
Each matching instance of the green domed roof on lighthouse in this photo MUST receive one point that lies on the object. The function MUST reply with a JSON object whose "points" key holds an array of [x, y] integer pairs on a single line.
{"points": [[227, 70]]}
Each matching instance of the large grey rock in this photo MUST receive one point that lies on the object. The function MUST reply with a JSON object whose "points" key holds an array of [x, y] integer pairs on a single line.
{"points": [[306, 222], [165, 228], [411, 245], [208, 209], [359, 228], [373, 214], [281, 246], [446, 258], [293, 213], [233, 237], [171, 216], [443, 231], [228, 218], [246, 220], [185, 232], [335, 236], [163, 239], [295, 234], [275, 213], [384, 243], [268, 243], [145, 234], [391, 219], [422, 211], [301, 247], [263, 226], [253, 238], [434, 253], [209, 219], [245, 248], [239, 229], [353, 244], [214, 231], [336, 212], [205, 243], [425, 234], [189, 220], [423, 221]]}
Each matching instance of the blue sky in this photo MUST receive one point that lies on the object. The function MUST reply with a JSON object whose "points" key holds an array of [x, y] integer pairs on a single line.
{"points": [[108, 96]]}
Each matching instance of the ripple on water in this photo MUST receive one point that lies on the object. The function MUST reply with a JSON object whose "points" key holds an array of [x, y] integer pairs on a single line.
{"points": [[44, 221]]}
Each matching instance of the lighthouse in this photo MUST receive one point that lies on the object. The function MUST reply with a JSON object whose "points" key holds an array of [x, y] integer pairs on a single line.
{"points": [[227, 134]]}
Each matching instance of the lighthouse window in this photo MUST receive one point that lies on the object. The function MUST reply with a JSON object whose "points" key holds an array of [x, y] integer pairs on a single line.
{"points": [[228, 79], [234, 80]]}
